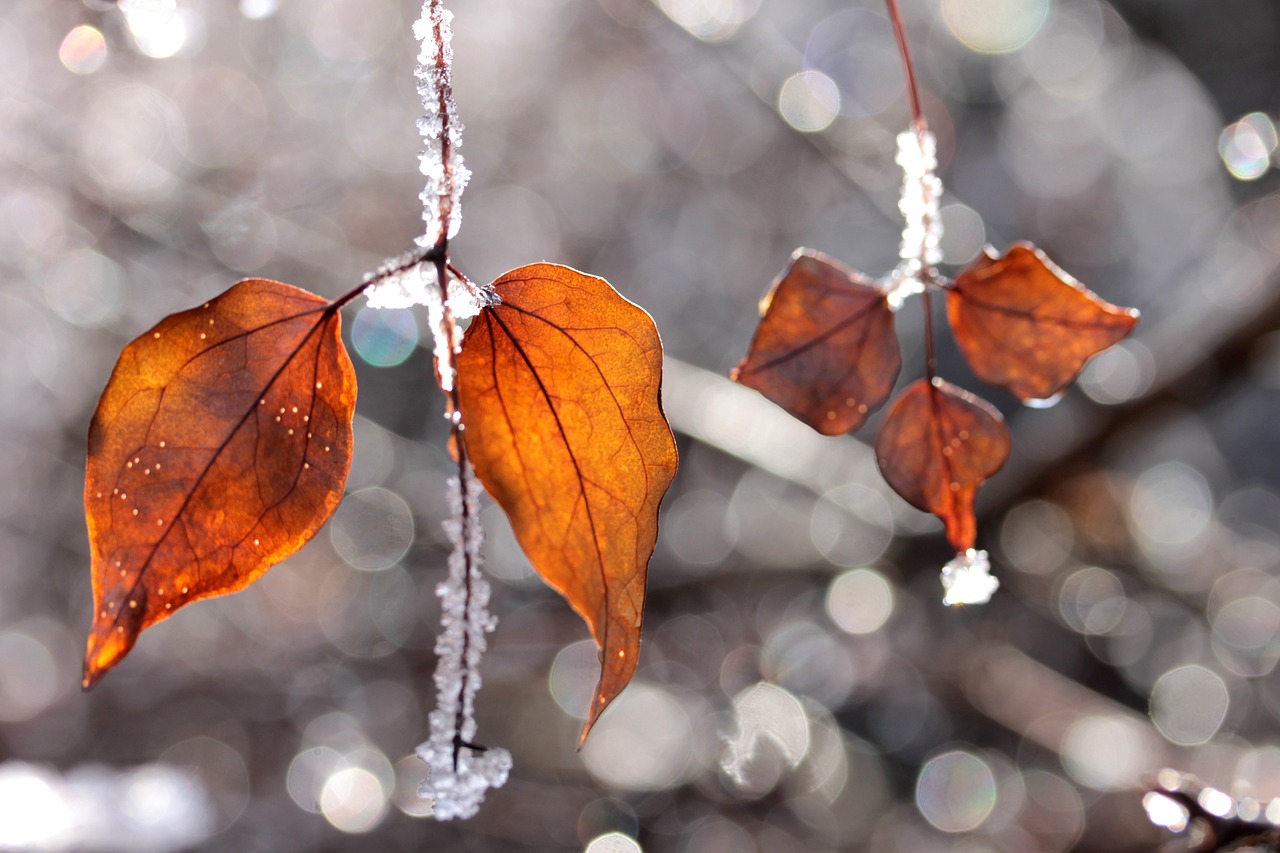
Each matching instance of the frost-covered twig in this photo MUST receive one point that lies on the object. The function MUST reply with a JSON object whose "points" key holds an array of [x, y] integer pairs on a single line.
{"points": [[921, 248], [461, 771]]}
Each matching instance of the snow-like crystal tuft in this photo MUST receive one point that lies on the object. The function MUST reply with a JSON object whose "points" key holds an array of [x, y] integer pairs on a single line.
{"points": [[967, 579], [440, 163], [464, 621], [921, 246], [405, 283]]}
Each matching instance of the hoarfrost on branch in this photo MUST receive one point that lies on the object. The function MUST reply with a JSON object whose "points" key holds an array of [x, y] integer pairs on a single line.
{"points": [[921, 247], [458, 790], [441, 165], [967, 579]]}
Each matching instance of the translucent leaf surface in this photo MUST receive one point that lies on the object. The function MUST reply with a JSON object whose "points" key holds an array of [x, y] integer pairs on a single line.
{"points": [[1027, 326], [937, 445], [825, 349], [559, 394], [220, 445]]}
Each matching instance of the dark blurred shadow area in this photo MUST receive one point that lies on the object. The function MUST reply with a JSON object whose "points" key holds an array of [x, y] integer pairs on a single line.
{"points": [[801, 688]]}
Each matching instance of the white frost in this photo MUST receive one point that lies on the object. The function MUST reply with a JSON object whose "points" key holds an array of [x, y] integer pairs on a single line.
{"points": [[460, 646], [404, 283], [921, 246], [967, 579], [435, 63]]}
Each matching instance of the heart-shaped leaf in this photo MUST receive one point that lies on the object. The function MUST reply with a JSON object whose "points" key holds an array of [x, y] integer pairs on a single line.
{"points": [[1025, 325], [938, 443], [220, 445], [825, 349], [558, 387]]}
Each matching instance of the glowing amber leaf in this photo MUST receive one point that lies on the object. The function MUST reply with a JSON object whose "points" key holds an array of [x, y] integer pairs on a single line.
{"points": [[1026, 325], [825, 349], [220, 445], [559, 392], [938, 443]]}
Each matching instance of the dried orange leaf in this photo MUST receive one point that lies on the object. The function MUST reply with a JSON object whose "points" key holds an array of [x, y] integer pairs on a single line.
{"points": [[220, 445], [938, 443], [1026, 325], [558, 387], [825, 349]]}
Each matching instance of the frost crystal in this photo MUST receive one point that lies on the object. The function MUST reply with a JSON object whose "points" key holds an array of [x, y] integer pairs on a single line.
{"points": [[440, 161], [922, 229], [967, 579], [406, 281], [464, 623]]}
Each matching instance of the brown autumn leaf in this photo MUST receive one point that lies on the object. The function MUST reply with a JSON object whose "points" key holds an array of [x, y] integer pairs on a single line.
{"points": [[558, 388], [825, 349], [1027, 326], [220, 445], [937, 445]]}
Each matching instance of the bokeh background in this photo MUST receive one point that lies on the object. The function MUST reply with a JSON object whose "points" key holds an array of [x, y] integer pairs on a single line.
{"points": [[801, 686]]}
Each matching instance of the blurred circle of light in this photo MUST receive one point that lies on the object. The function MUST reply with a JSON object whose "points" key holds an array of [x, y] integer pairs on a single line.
{"points": [[613, 842], [307, 773], [384, 337], [257, 10], [372, 529], [572, 679], [851, 525], [1037, 537], [809, 101], [860, 601], [410, 772], [222, 771], [1106, 752], [804, 657], [1119, 374], [1171, 506], [1092, 601], [700, 528], [770, 737], [994, 26], [1249, 629], [84, 50], [28, 677], [710, 20], [1188, 704], [1164, 811], [644, 743], [159, 29], [33, 814], [1246, 146], [854, 47], [956, 791], [353, 800], [84, 288], [963, 233]]}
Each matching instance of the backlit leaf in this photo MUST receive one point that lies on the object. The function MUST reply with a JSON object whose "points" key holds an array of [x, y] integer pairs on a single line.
{"points": [[559, 392], [220, 445], [1026, 325], [938, 443], [825, 349]]}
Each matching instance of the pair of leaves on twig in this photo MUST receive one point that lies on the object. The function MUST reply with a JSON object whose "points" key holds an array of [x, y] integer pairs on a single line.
{"points": [[826, 351], [223, 440]]}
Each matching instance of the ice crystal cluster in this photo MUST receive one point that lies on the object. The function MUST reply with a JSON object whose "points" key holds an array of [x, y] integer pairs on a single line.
{"points": [[921, 246], [967, 579], [409, 280], [458, 792], [405, 282], [440, 161]]}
